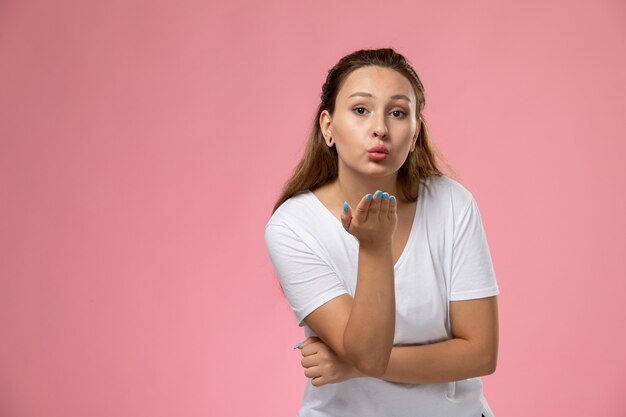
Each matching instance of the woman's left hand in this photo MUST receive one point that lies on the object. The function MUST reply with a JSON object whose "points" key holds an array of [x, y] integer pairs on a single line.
{"points": [[323, 365]]}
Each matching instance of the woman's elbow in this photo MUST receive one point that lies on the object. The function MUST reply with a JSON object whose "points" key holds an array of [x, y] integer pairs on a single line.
{"points": [[372, 368], [366, 361], [494, 365], [491, 365]]}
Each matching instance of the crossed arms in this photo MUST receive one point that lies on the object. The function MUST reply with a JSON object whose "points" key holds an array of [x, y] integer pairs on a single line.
{"points": [[472, 351]]}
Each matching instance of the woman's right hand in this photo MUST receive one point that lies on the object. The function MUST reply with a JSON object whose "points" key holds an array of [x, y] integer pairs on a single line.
{"points": [[373, 222]]}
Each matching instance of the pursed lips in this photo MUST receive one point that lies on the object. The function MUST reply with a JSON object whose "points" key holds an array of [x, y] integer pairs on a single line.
{"points": [[378, 149]]}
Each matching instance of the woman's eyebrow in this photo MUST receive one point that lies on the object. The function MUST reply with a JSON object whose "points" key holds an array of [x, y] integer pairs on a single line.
{"points": [[394, 97]]}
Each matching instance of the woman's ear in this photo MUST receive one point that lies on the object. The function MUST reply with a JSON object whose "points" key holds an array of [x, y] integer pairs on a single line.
{"points": [[325, 123], [417, 133]]}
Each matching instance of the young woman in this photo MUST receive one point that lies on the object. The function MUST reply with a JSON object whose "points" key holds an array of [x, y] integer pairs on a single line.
{"points": [[382, 257]]}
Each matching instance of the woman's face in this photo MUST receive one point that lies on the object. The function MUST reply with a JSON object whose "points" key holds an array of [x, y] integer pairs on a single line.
{"points": [[375, 106]]}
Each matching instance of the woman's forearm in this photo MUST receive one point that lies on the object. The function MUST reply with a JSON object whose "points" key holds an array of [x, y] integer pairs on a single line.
{"points": [[451, 360], [369, 334]]}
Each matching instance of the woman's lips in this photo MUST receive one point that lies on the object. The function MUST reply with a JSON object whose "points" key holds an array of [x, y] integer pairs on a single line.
{"points": [[377, 156], [378, 148], [378, 152]]}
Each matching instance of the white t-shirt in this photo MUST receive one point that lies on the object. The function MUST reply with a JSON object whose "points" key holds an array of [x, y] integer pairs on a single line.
{"points": [[446, 258]]}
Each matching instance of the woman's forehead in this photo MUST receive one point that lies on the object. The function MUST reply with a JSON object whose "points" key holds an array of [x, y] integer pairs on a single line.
{"points": [[377, 83]]}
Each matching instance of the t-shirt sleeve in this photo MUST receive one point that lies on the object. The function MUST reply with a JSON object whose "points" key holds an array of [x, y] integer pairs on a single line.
{"points": [[472, 270], [307, 281]]}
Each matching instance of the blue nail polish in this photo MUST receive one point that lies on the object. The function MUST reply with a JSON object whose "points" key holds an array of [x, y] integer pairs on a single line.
{"points": [[378, 194], [345, 207], [368, 197], [298, 345], [392, 199], [385, 196]]}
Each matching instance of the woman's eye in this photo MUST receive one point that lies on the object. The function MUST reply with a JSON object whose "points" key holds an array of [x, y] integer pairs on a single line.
{"points": [[399, 114]]}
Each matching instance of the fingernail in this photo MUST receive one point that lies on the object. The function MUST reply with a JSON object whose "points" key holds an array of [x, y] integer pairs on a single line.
{"points": [[345, 207], [368, 197], [385, 196], [378, 194], [392, 199], [298, 345]]}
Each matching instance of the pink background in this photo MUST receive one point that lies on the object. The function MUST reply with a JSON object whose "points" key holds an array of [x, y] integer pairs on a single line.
{"points": [[143, 144]]}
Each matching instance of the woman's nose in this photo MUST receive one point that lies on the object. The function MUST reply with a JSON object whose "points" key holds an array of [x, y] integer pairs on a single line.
{"points": [[380, 126]]}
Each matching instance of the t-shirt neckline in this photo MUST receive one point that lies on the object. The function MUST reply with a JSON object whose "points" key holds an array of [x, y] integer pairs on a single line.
{"points": [[355, 241]]}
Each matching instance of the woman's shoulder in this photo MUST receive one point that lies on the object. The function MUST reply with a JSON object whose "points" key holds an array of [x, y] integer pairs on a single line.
{"points": [[446, 190], [292, 211], [299, 218]]}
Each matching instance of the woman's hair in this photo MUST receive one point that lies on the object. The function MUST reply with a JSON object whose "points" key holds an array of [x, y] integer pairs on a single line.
{"points": [[319, 165]]}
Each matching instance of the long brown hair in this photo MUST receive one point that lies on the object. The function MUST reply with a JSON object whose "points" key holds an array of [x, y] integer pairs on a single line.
{"points": [[319, 165]]}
